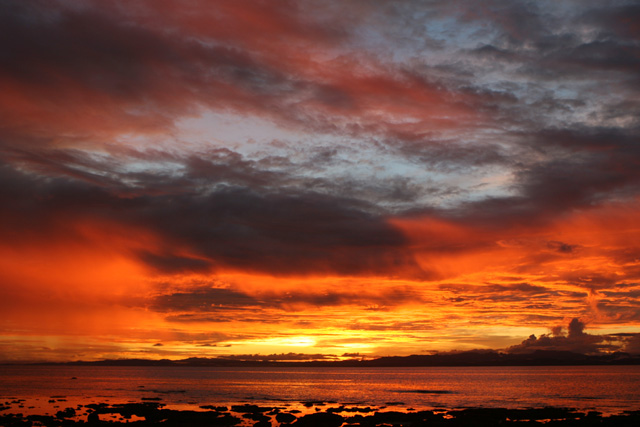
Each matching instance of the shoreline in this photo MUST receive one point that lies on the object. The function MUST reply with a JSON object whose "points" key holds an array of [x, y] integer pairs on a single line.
{"points": [[306, 414], [472, 358]]}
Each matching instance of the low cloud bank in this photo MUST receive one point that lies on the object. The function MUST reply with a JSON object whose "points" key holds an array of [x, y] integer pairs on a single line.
{"points": [[576, 340]]}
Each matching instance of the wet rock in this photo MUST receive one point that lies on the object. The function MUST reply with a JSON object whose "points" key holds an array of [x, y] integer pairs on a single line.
{"points": [[256, 416], [310, 403], [284, 417], [154, 413], [392, 417], [629, 419], [241, 409], [320, 419], [11, 420], [46, 420], [215, 408], [359, 420], [66, 413], [96, 406], [195, 418], [93, 418], [357, 409]]}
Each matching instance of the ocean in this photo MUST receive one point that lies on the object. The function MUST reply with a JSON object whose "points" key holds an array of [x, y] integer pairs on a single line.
{"points": [[45, 390]]}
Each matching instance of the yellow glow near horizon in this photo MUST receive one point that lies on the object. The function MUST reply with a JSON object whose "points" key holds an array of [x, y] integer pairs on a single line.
{"points": [[295, 341]]}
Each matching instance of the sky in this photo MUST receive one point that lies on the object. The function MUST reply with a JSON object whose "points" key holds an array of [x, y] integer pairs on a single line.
{"points": [[318, 179]]}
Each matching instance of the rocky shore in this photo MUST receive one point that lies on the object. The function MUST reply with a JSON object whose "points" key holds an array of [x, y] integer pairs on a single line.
{"points": [[317, 414]]}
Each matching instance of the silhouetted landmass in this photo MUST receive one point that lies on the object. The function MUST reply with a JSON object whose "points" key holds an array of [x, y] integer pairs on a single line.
{"points": [[100, 414], [468, 358]]}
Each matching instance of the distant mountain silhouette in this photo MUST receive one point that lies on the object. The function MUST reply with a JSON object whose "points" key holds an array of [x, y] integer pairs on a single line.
{"points": [[466, 358]]}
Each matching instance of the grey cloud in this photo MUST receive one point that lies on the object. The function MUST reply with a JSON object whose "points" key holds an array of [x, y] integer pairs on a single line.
{"points": [[496, 292], [203, 300], [576, 341], [561, 247], [279, 231], [221, 304]]}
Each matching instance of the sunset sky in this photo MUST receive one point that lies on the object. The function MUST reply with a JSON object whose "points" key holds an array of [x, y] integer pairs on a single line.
{"points": [[329, 178]]}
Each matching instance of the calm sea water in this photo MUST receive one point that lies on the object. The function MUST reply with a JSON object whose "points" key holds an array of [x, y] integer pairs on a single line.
{"points": [[609, 389]]}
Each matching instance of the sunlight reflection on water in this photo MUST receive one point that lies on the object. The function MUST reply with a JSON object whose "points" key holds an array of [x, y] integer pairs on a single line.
{"points": [[609, 389]]}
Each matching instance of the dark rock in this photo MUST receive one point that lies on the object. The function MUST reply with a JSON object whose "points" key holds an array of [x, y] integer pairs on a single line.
{"points": [[46, 420], [320, 419], [284, 417], [215, 408], [10, 420], [195, 418], [256, 416], [249, 409], [96, 406], [392, 417], [359, 420], [67, 413], [93, 418]]}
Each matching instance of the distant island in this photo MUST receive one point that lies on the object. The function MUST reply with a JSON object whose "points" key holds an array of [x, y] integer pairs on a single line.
{"points": [[466, 358]]}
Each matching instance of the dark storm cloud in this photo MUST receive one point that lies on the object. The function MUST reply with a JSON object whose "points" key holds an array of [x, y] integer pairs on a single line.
{"points": [[561, 247], [74, 69], [204, 300], [631, 295], [170, 263], [556, 40], [618, 20], [243, 229], [140, 70], [135, 75], [228, 226], [223, 304], [583, 167], [447, 156], [514, 293], [582, 61]]}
